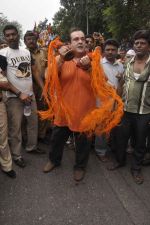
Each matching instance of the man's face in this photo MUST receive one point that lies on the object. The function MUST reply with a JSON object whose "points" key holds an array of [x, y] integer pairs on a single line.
{"points": [[96, 35], [110, 52], [141, 47], [122, 54], [31, 42], [12, 38], [78, 44], [90, 43]]}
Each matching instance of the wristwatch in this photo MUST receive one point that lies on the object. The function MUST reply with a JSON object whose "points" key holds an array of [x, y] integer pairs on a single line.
{"points": [[18, 94]]}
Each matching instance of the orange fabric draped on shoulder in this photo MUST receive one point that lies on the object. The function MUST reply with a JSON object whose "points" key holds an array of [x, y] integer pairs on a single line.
{"points": [[103, 118], [98, 119]]}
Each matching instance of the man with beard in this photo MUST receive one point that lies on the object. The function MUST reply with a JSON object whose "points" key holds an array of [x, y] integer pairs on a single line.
{"points": [[20, 76], [136, 98], [40, 58]]}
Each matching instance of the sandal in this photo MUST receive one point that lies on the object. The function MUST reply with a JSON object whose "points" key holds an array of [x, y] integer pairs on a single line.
{"points": [[137, 176]]}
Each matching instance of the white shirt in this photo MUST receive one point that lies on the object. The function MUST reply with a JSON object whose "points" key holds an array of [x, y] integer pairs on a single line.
{"points": [[111, 71]]}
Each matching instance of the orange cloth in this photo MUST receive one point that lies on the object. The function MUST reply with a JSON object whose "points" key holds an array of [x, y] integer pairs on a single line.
{"points": [[77, 94], [70, 96]]}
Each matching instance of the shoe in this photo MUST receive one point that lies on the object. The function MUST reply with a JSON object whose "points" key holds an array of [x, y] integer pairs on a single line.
{"points": [[114, 166], [20, 162], [137, 176], [103, 158], [11, 173], [130, 150], [79, 174], [37, 151], [48, 167], [146, 160], [68, 142]]}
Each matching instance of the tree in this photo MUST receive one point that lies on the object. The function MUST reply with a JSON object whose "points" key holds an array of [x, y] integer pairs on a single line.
{"points": [[85, 14], [124, 17], [114, 18], [3, 22]]}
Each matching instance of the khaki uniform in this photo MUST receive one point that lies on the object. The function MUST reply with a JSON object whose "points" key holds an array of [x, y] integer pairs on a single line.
{"points": [[40, 58], [5, 156]]}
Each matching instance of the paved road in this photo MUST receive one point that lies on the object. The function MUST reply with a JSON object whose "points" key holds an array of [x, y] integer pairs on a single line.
{"points": [[102, 198]]}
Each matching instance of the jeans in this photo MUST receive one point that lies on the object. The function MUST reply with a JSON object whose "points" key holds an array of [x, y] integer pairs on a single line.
{"points": [[101, 146]]}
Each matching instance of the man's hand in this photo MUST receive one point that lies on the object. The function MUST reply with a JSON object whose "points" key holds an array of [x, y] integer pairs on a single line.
{"points": [[63, 50], [25, 98], [119, 75], [85, 61], [4, 85]]}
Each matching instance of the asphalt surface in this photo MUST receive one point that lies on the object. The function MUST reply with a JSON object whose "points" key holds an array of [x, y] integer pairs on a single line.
{"points": [[102, 198]]}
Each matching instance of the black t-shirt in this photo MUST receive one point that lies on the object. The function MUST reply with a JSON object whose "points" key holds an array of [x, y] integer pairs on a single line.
{"points": [[3, 63]]}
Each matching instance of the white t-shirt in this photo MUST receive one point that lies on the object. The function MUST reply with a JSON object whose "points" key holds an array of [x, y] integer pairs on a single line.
{"points": [[18, 69]]}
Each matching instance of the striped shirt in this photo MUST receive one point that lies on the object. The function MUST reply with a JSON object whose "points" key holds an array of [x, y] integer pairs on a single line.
{"points": [[136, 90]]}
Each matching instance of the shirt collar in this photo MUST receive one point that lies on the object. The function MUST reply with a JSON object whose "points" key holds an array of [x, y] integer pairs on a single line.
{"points": [[104, 60], [133, 59], [37, 50]]}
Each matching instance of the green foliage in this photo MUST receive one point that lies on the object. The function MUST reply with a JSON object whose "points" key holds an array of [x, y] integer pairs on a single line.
{"points": [[75, 13], [123, 18], [114, 18]]}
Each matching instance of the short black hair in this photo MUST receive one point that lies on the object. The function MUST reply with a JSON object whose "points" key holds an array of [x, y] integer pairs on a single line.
{"points": [[30, 33], [10, 27], [89, 36], [111, 42], [145, 34], [122, 49]]}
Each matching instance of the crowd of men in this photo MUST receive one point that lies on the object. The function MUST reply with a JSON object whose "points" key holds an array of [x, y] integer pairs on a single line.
{"points": [[22, 79]]}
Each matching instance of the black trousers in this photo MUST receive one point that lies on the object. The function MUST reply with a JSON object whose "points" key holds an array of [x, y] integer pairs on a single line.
{"points": [[148, 141], [82, 146], [132, 123]]}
